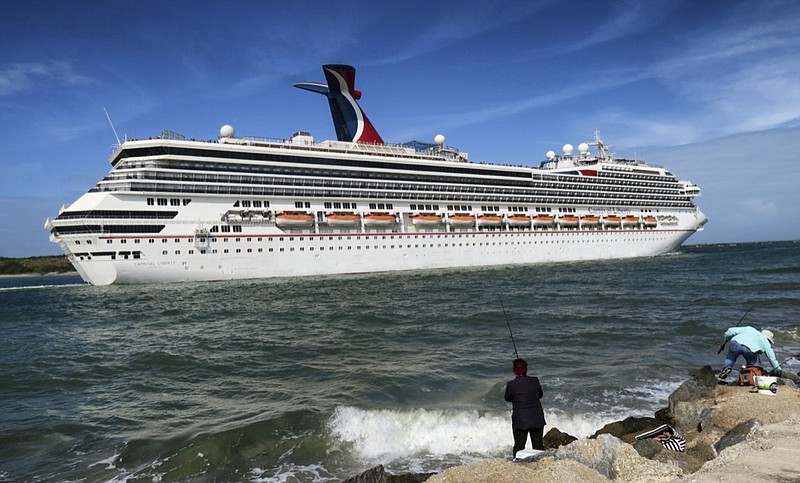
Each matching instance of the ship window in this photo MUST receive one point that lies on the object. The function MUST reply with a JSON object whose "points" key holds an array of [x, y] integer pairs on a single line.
{"points": [[108, 241], [246, 204], [164, 252], [151, 201], [186, 201], [237, 228], [174, 202], [236, 205], [151, 241], [298, 204], [162, 202]]}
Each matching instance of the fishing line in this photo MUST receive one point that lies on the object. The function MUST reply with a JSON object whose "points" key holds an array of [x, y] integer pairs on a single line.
{"points": [[509, 329]]}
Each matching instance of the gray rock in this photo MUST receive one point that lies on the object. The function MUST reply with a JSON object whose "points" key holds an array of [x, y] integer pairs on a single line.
{"points": [[600, 454], [628, 428], [379, 475], [372, 475], [737, 435], [688, 403], [555, 438]]}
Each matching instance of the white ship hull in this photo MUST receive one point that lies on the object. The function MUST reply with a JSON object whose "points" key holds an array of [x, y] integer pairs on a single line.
{"points": [[263, 250]]}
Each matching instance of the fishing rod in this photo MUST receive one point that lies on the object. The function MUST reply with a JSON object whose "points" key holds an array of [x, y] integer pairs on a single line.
{"points": [[509, 328], [722, 347]]}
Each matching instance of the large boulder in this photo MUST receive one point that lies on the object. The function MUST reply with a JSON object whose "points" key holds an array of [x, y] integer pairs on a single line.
{"points": [[689, 404], [737, 435], [629, 428]]}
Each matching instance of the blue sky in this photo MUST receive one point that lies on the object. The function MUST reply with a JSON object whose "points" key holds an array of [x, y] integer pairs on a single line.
{"points": [[709, 89]]}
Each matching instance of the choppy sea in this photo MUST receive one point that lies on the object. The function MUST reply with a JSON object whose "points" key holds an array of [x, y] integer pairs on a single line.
{"points": [[317, 379]]}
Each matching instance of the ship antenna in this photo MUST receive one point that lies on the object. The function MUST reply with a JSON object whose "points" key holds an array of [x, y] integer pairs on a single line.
{"points": [[112, 126]]}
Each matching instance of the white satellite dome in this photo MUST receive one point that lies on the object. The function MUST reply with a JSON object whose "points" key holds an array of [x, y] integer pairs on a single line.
{"points": [[439, 139], [550, 155], [583, 148], [226, 131], [567, 148]]}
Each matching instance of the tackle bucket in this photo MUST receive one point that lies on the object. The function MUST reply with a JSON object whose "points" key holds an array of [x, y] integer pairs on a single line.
{"points": [[767, 385]]}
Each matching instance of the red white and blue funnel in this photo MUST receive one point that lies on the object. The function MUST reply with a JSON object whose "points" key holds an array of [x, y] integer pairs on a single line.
{"points": [[349, 120]]}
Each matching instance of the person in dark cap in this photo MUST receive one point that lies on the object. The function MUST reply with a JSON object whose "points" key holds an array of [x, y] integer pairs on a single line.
{"points": [[527, 417], [748, 343]]}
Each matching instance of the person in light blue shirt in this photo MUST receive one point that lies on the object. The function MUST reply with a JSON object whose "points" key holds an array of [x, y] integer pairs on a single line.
{"points": [[748, 343]]}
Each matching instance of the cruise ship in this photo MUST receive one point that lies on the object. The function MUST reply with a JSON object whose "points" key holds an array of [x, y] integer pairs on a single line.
{"points": [[174, 209]]}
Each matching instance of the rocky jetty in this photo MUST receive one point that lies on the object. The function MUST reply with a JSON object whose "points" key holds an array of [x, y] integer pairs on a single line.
{"points": [[732, 434]]}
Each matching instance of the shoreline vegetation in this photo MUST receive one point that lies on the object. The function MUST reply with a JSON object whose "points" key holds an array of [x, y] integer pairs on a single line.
{"points": [[33, 266]]}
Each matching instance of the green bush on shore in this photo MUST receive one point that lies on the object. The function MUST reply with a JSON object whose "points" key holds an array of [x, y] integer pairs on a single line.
{"points": [[35, 265]]}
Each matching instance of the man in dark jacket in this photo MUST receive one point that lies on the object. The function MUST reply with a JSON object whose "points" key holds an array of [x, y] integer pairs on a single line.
{"points": [[524, 394]]}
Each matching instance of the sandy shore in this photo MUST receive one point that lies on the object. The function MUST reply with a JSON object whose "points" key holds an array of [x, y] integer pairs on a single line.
{"points": [[770, 452]]}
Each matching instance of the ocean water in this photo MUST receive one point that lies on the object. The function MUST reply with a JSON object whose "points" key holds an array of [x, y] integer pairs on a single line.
{"points": [[317, 379]]}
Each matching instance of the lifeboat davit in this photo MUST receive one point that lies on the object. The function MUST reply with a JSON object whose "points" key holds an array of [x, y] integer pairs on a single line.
{"points": [[630, 220], [380, 219], [568, 220], [519, 220], [543, 220], [343, 219], [490, 220], [590, 220], [294, 219], [461, 220], [611, 220], [426, 219], [650, 221]]}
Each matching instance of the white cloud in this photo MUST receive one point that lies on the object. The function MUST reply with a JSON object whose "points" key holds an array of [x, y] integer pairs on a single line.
{"points": [[24, 76]]}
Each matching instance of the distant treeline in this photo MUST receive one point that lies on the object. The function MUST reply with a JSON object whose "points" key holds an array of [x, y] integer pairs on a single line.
{"points": [[35, 265]]}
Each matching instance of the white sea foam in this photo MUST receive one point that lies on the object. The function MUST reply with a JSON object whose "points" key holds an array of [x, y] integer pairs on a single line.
{"points": [[389, 435], [385, 434]]}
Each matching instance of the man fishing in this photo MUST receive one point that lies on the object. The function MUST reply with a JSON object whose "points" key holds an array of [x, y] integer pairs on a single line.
{"points": [[527, 417], [748, 343]]}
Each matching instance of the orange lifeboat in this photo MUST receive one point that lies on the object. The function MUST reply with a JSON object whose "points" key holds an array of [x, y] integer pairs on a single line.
{"points": [[380, 219], [543, 220], [343, 219], [630, 220], [490, 220], [426, 219], [294, 219], [611, 220], [590, 220], [650, 221], [519, 220], [461, 220], [568, 220]]}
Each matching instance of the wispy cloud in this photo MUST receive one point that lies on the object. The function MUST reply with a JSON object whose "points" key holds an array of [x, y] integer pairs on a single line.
{"points": [[460, 24], [23, 76]]}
